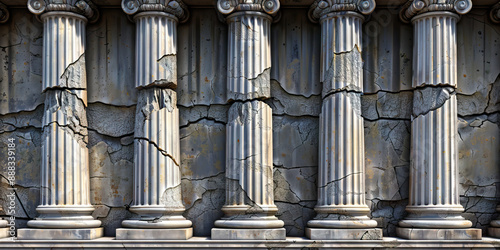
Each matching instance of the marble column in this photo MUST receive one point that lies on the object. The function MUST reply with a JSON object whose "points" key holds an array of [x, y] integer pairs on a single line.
{"points": [[434, 210], [65, 209], [494, 229], [249, 208], [341, 210], [157, 199]]}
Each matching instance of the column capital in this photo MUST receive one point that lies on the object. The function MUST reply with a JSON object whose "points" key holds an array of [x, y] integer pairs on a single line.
{"points": [[323, 7], [174, 7], [417, 7], [495, 13], [4, 13], [227, 7], [85, 8]]}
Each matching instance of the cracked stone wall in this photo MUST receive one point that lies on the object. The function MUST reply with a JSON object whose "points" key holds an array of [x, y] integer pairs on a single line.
{"points": [[478, 93], [387, 106]]}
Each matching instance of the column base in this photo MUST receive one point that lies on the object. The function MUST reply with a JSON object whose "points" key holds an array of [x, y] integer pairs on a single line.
{"points": [[439, 234], [494, 232], [4, 232], [344, 233], [154, 234], [160, 224], [248, 234], [60, 234]]}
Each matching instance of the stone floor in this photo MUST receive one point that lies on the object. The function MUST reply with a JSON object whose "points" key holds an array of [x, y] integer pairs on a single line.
{"points": [[289, 243]]}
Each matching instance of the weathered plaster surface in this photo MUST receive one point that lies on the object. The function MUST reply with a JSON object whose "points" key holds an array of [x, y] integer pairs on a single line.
{"points": [[386, 106], [388, 48], [111, 120], [111, 182], [295, 147], [25, 128], [295, 54], [478, 60], [28, 141], [203, 159], [110, 59], [295, 141], [283, 103], [387, 145], [201, 59], [21, 60], [479, 176]]}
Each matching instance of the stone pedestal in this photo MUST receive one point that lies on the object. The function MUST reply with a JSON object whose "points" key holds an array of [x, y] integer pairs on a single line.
{"points": [[248, 234], [154, 234], [60, 234], [342, 213], [439, 234], [434, 210], [494, 229], [344, 234], [65, 209], [249, 208], [4, 230], [157, 178]]}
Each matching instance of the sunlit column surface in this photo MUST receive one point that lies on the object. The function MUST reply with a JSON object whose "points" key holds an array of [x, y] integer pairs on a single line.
{"points": [[157, 177], [249, 208], [434, 210], [341, 210], [65, 209]]}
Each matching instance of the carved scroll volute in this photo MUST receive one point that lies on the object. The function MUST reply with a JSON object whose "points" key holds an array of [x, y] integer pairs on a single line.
{"points": [[270, 7], [174, 7], [462, 6], [83, 7], [495, 13], [36, 7], [415, 7], [4, 13], [323, 7], [366, 7]]}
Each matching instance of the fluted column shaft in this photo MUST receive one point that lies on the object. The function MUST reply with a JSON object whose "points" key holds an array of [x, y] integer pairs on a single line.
{"points": [[65, 196], [434, 200], [157, 176], [156, 50], [249, 55], [434, 153], [341, 178], [434, 210], [249, 158]]}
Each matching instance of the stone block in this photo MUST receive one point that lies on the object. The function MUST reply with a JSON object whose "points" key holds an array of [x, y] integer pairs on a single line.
{"points": [[4, 232], [494, 232], [59, 234], [248, 234], [344, 233], [439, 234], [153, 234]]}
